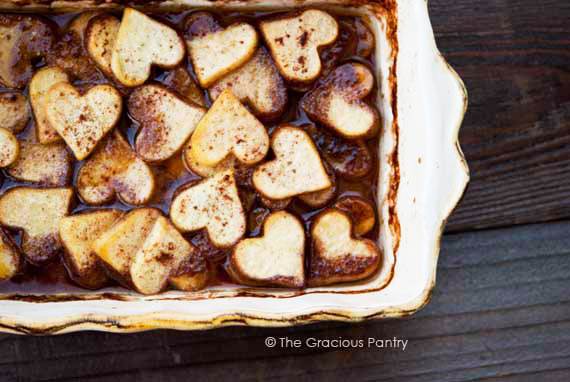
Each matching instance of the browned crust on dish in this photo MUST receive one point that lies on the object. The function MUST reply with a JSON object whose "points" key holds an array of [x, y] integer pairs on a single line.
{"points": [[391, 17]]}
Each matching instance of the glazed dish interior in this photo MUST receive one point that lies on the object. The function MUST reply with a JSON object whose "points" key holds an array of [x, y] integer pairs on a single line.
{"points": [[142, 169]]}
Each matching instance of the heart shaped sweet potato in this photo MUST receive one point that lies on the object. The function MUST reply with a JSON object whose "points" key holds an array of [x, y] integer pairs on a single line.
{"points": [[191, 276], [115, 169], [297, 168], [274, 259], [41, 83], [229, 129], [144, 250], [294, 41], [336, 256], [258, 84], [37, 213], [166, 121], [83, 120], [215, 51], [212, 204], [337, 102], [140, 43]]}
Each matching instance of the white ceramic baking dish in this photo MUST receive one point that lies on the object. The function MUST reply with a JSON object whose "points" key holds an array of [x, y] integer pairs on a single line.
{"points": [[422, 177]]}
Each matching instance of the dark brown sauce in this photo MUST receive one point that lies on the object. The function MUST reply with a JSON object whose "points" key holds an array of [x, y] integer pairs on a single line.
{"points": [[173, 173]]}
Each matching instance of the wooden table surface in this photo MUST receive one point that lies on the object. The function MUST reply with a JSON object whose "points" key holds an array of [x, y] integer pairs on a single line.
{"points": [[501, 307]]}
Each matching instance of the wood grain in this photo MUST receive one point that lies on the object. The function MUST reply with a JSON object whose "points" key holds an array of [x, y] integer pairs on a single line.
{"points": [[500, 311], [514, 57]]}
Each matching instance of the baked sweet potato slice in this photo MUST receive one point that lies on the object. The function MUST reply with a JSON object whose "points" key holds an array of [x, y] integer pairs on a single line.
{"points": [[257, 84], [166, 121], [337, 102], [36, 212], [82, 120], [335, 255], [216, 51], [274, 259], [47, 165], [41, 83], [9, 148], [70, 53], [10, 260], [23, 39], [212, 204], [297, 168], [77, 233], [117, 246], [114, 169], [294, 41], [162, 255], [14, 111], [142, 42]]}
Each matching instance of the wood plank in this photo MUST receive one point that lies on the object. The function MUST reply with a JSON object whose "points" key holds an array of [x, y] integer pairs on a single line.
{"points": [[543, 376], [485, 326], [515, 61]]}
